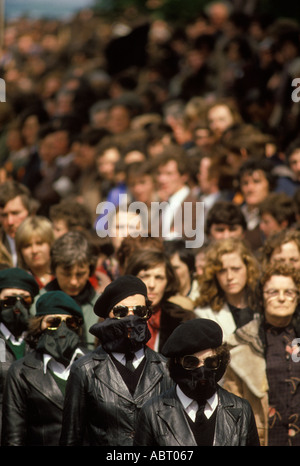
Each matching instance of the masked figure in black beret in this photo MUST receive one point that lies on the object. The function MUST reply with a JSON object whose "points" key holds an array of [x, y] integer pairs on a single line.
{"points": [[197, 411], [17, 291], [34, 392], [107, 387]]}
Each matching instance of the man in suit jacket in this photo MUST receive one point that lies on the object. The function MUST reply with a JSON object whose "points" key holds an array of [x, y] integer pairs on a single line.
{"points": [[16, 204], [107, 387], [197, 411]]}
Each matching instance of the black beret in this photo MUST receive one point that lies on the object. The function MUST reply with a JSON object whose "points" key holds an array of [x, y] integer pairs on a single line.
{"points": [[57, 302], [193, 336], [18, 278], [116, 291]]}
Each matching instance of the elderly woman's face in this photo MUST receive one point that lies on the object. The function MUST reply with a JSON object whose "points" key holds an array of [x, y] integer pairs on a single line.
{"points": [[280, 300], [155, 280]]}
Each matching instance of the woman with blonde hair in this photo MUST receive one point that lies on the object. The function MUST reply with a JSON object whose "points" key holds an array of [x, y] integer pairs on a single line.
{"points": [[227, 285], [34, 239]]}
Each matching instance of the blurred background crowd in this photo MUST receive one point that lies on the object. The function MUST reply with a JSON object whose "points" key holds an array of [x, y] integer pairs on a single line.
{"points": [[158, 100]]}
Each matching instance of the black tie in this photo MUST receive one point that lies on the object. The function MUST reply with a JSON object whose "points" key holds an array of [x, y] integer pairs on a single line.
{"points": [[129, 359], [200, 416]]}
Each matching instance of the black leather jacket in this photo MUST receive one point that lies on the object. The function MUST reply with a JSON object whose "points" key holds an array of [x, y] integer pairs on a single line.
{"points": [[32, 404], [99, 409], [162, 422]]}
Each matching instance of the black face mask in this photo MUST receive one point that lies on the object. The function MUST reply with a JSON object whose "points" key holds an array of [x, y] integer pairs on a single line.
{"points": [[198, 384], [15, 318], [60, 343], [130, 333]]}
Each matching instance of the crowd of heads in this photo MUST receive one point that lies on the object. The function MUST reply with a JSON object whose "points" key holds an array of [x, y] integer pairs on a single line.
{"points": [[142, 106]]}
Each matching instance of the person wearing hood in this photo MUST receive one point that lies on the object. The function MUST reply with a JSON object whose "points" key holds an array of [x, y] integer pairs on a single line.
{"points": [[34, 391], [197, 411], [107, 387]]}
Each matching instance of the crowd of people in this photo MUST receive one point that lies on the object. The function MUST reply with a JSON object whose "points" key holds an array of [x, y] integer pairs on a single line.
{"points": [[111, 318]]}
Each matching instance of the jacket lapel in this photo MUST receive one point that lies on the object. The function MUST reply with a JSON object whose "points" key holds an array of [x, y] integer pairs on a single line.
{"points": [[172, 413], [107, 373], [44, 383], [151, 375]]}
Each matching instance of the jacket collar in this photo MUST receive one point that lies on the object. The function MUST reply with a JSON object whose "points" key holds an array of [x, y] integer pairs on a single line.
{"points": [[44, 383], [176, 419], [109, 375], [247, 357]]}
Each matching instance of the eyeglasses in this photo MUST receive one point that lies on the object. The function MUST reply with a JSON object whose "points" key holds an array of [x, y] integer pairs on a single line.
{"points": [[10, 301], [288, 294], [72, 322], [122, 311], [191, 362]]}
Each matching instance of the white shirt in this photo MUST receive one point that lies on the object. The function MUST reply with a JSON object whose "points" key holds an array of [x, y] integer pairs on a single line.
{"points": [[56, 367], [191, 406], [138, 357], [13, 250], [9, 336]]}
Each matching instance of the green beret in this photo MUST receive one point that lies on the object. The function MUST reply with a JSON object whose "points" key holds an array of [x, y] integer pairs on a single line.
{"points": [[18, 278], [57, 302]]}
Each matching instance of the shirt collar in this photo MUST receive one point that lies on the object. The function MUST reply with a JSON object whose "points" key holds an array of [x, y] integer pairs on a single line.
{"points": [[9, 336], [138, 356], [59, 369], [191, 405]]}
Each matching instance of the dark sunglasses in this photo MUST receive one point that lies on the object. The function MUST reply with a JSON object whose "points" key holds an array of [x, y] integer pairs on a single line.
{"points": [[72, 322], [122, 311], [10, 301], [191, 362]]}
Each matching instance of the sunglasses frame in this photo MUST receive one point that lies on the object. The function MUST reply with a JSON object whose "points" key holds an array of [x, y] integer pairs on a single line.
{"points": [[133, 308], [7, 301], [66, 319], [203, 361]]}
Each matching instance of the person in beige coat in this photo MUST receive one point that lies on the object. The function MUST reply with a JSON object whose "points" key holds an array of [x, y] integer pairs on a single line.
{"points": [[264, 365]]}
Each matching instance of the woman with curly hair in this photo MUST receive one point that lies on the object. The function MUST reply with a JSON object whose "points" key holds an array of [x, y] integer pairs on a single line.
{"points": [[227, 284], [264, 366]]}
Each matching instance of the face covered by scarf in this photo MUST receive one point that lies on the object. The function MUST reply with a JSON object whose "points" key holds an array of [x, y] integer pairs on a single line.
{"points": [[130, 333], [198, 384], [60, 343], [15, 318]]}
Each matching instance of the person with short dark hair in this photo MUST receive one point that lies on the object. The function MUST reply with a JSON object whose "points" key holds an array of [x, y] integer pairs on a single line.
{"points": [[107, 387], [277, 213], [16, 204], [225, 220], [197, 411]]}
